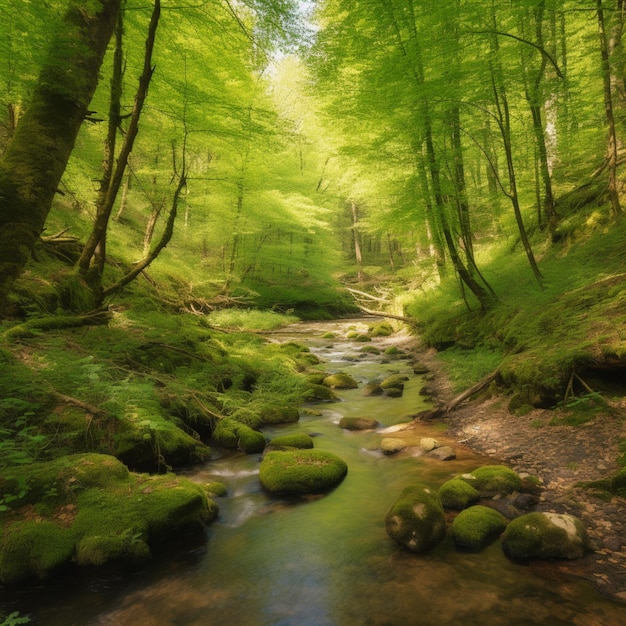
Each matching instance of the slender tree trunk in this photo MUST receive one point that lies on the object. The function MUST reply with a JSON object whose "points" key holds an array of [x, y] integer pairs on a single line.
{"points": [[107, 197], [616, 208], [37, 154], [354, 210]]}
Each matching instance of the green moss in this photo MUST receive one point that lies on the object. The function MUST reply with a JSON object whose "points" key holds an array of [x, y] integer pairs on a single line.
{"points": [[357, 423], [280, 414], [395, 381], [362, 338], [476, 526], [545, 535], [614, 485], [383, 329], [370, 350], [340, 380], [494, 479], [98, 512], [231, 434], [416, 520], [301, 471], [33, 550], [321, 393], [458, 494], [298, 440], [216, 489]]}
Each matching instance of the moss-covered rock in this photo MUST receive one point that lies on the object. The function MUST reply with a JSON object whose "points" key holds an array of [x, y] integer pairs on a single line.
{"points": [[92, 511], [395, 380], [476, 526], [416, 520], [216, 489], [358, 423], [546, 536], [392, 445], [280, 414], [297, 472], [382, 329], [494, 479], [320, 393], [231, 434], [340, 380], [297, 440], [373, 389], [458, 494], [370, 350]]}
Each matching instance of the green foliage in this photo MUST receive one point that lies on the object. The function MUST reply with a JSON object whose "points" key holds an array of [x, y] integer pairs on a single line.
{"points": [[250, 319]]}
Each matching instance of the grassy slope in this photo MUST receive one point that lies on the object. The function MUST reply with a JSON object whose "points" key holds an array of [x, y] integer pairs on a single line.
{"points": [[539, 337]]}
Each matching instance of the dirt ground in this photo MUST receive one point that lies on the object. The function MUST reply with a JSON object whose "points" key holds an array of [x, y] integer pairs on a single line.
{"points": [[562, 457]]}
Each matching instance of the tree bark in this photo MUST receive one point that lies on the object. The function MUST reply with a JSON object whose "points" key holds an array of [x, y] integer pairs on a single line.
{"points": [[37, 154], [612, 158], [108, 194]]}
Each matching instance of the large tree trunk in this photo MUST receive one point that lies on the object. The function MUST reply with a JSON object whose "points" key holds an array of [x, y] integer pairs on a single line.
{"points": [[37, 154]]}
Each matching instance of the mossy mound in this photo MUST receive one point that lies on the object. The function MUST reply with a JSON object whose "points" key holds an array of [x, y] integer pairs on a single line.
{"points": [[395, 380], [475, 527], [383, 329], [357, 423], [614, 485], [458, 494], [370, 350], [216, 489], [373, 389], [298, 440], [340, 380], [493, 479], [416, 520], [153, 445], [280, 414], [297, 472], [546, 536], [231, 434], [320, 393], [91, 510]]}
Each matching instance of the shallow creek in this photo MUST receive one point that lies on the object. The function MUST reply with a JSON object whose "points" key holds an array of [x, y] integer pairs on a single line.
{"points": [[327, 561]]}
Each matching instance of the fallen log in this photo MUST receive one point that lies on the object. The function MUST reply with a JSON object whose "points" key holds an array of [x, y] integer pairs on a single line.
{"points": [[407, 320], [443, 410]]}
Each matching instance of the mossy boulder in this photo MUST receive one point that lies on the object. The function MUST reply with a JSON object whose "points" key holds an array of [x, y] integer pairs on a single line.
{"points": [[476, 526], [216, 489], [340, 380], [492, 480], [231, 434], [153, 445], [546, 536], [392, 445], [320, 393], [395, 380], [394, 392], [91, 510], [458, 494], [370, 350], [416, 520], [298, 472], [383, 329], [373, 389], [358, 423], [280, 414], [298, 440]]}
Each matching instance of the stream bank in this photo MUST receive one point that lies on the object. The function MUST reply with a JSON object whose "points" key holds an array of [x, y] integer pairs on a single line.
{"points": [[560, 455]]}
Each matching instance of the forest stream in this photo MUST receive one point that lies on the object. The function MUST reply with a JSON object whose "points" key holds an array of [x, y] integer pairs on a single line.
{"points": [[326, 560]]}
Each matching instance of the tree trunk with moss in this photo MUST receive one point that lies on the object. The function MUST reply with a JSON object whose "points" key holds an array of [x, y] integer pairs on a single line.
{"points": [[36, 157]]}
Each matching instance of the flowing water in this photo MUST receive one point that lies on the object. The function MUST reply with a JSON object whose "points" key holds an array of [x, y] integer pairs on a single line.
{"points": [[327, 561]]}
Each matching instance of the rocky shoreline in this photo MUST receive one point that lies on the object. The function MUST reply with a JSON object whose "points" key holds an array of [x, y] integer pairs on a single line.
{"points": [[562, 457]]}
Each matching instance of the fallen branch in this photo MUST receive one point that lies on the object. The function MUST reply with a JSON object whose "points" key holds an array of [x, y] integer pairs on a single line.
{"points": [[407, 320], [89, 408], [365, 295], [441, 411]]}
